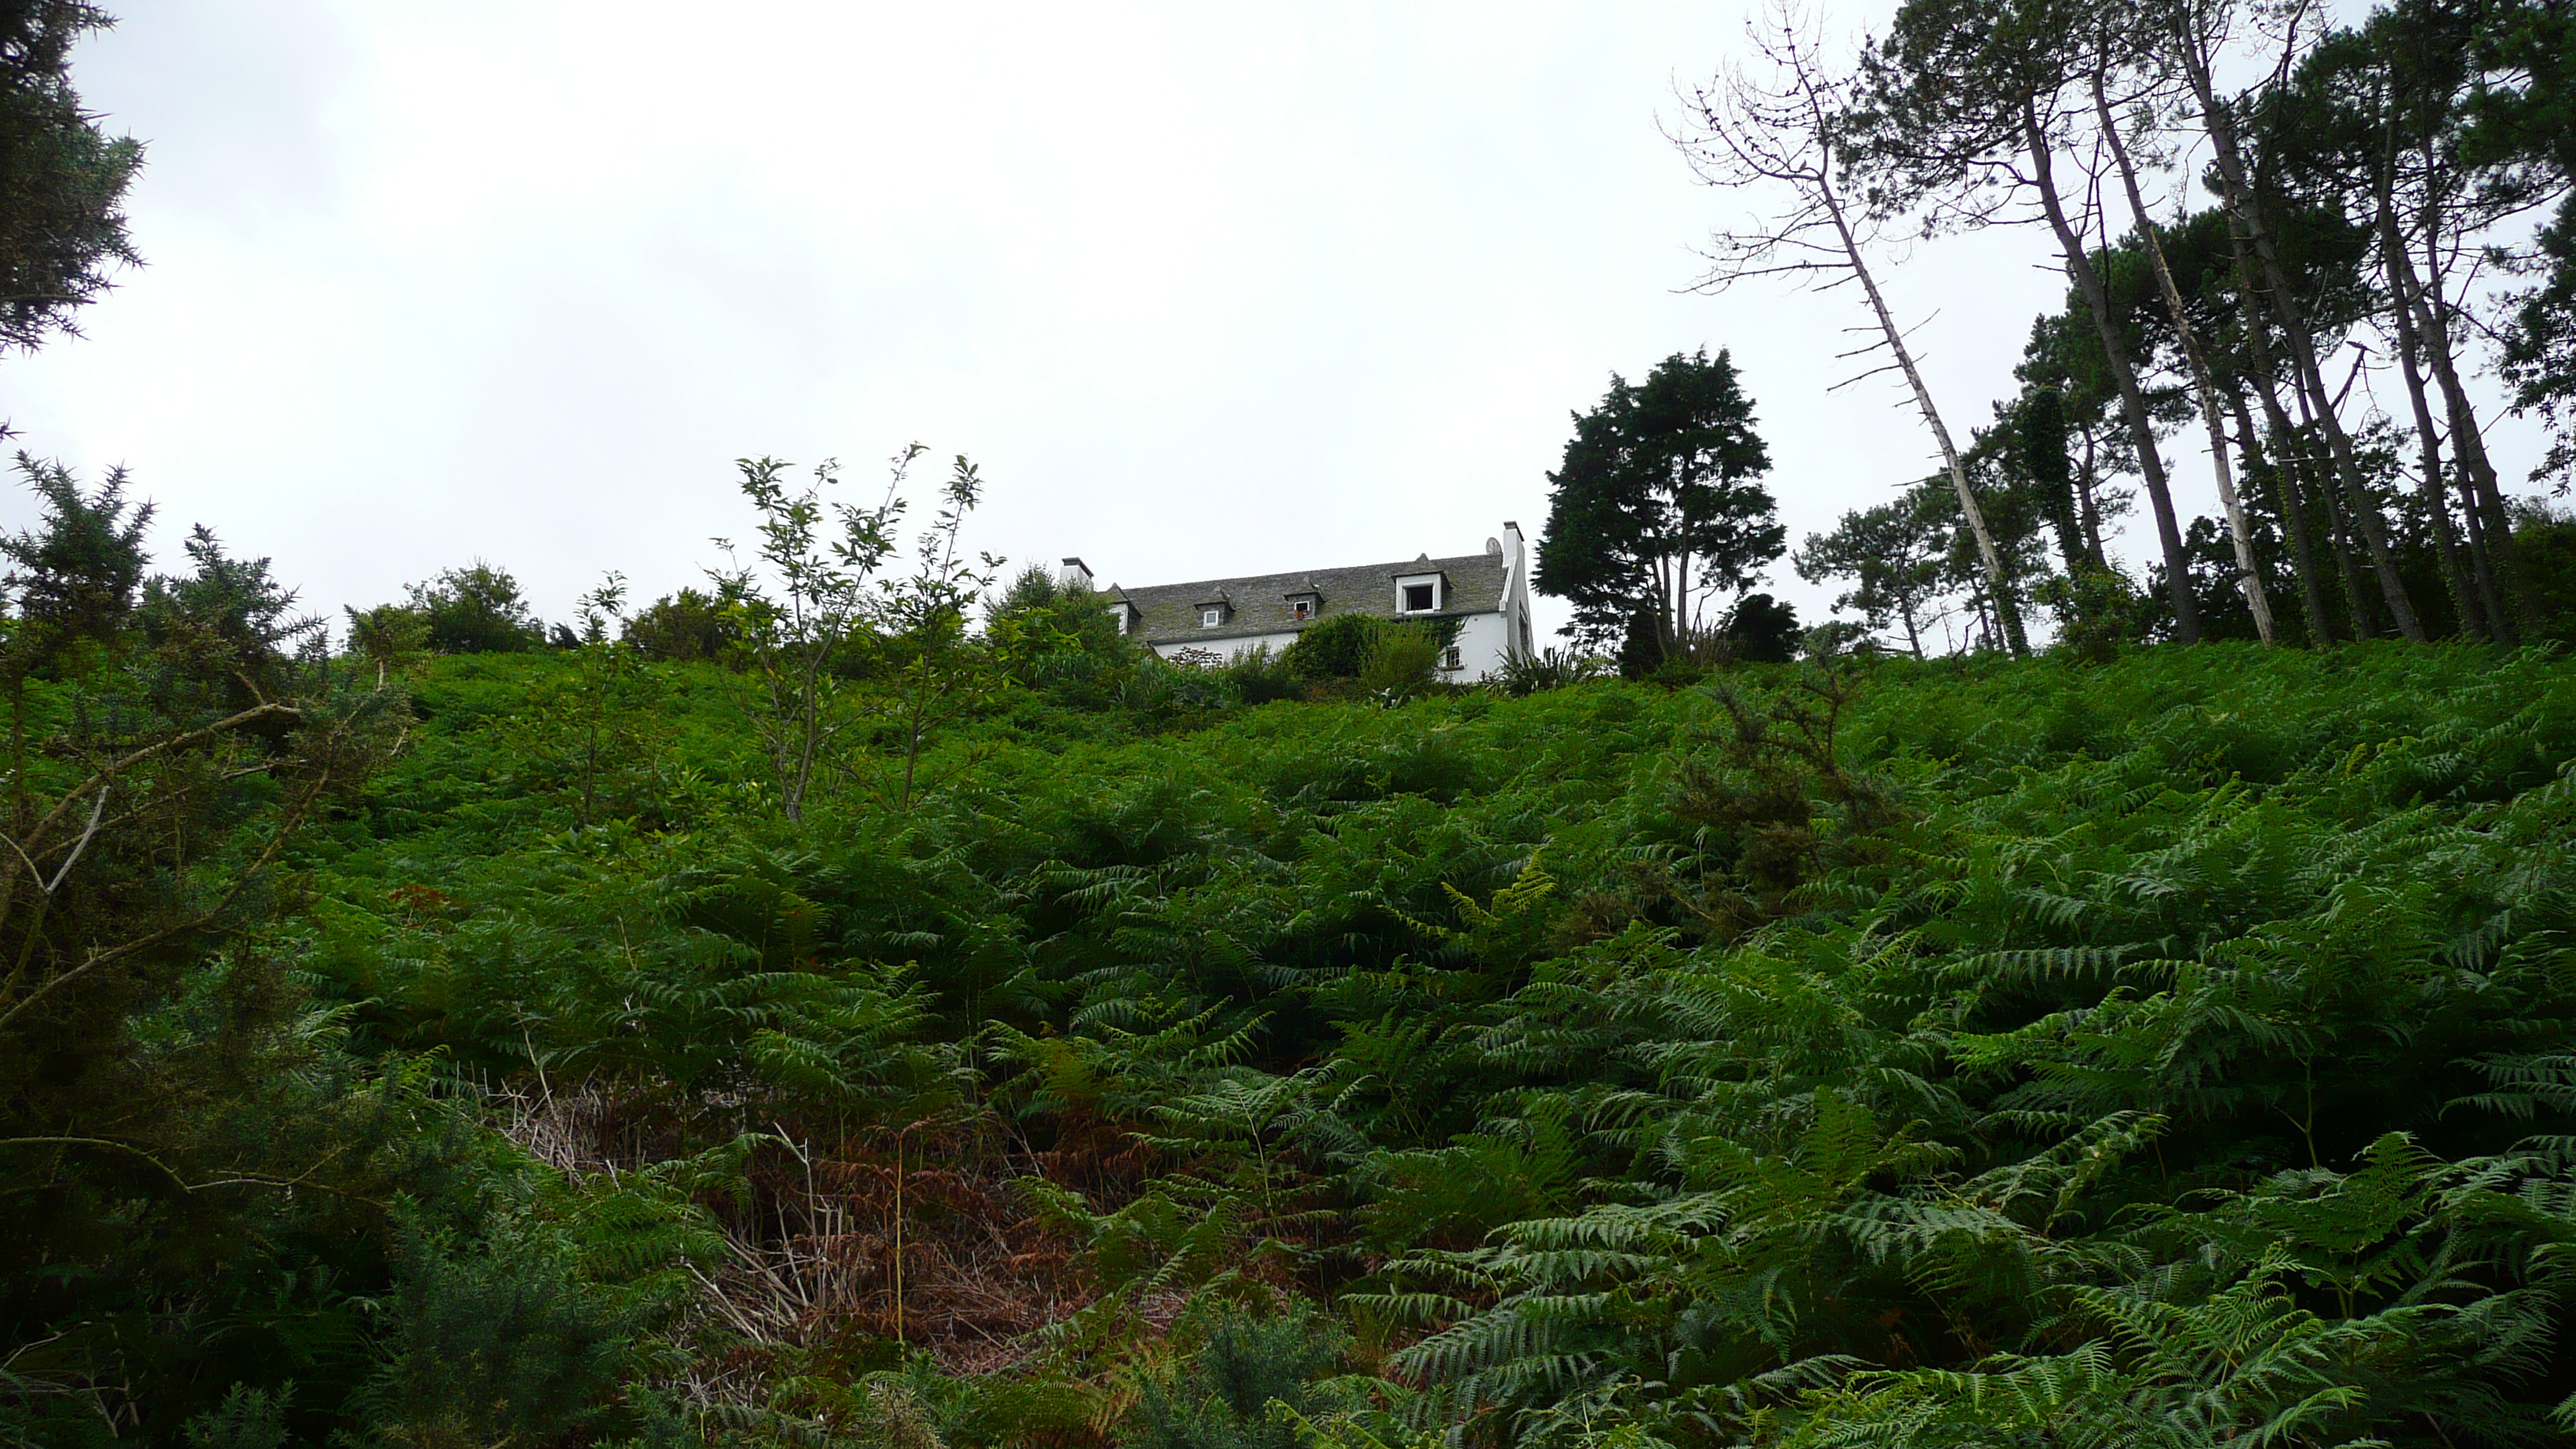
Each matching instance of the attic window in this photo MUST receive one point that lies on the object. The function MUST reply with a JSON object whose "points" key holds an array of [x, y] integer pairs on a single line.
{"points": [[1211, 616], [1301, 608], [1421, 598]]}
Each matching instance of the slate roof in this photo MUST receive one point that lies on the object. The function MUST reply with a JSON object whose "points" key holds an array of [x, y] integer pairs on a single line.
{"points": [[1259, 604]]}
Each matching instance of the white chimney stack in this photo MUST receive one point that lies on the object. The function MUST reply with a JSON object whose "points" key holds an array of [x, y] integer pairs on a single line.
{"points": [[1076, 575]]}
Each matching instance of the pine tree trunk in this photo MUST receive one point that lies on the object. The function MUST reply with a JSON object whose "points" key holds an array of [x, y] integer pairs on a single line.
{"points": [[2258, 348], [2236, 192], [2392, 249], [2468, 445], [2015, 639], [2249, 572], [2133, 402], [2294, 514], [2086, 478], [2356, 598]]}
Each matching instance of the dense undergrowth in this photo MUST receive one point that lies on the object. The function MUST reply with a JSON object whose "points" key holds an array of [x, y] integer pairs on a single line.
{"points": [[2176, 1051]]}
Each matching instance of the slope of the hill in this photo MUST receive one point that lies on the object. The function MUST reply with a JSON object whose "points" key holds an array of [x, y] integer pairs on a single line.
{"points": [[2166, 1052]]}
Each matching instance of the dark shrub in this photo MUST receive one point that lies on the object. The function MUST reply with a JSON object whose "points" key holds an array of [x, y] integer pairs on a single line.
{"points": [[477, 610]]}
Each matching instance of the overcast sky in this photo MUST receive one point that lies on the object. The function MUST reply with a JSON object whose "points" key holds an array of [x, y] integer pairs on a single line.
{"points": [[1204, 289]]}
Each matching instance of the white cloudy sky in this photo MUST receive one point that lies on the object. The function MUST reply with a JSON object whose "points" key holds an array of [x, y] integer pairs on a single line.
{"points": [[1205, 289]]}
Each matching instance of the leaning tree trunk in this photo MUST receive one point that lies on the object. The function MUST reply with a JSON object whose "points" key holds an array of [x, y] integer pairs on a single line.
{"points": [[2014, 638], [2294, 512], [2356, 594], [2392, 249], [2468, 444], [2249, 572], [2133, 401], [2236, 192], [2258, 348]]}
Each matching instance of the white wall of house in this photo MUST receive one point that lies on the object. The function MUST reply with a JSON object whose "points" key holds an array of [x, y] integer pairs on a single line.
{"points": [[1516, 600], [1234, 648], [1484, 642]]}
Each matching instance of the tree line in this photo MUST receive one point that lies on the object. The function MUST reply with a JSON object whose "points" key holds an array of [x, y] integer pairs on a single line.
{"points": [[2390, 209]]}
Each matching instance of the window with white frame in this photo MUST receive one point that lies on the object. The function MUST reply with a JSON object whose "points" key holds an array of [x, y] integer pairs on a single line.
{"points": [[1451, 658], [1301, 609], [1418, 598], [1211, 616]]}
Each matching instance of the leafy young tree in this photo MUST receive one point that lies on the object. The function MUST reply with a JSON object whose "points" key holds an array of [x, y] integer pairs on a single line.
{"points": [[799, 624], [605, 674], [1656, 508], [930, 670], [62, 179]]}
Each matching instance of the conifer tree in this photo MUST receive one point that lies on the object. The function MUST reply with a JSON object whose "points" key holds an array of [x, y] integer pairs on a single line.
{"points": [[1656, 509]]}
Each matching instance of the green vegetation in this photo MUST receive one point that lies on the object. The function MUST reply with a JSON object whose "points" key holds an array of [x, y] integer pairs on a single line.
{"points": [[1963, 1051], [2224, 250], [846, 1006], [62, 179], [1657, 510]]}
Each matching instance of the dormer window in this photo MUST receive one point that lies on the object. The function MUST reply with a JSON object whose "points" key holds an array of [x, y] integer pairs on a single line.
{"points": [[1422, 589], [1124, 615], [1302, 607], [1211, 616]]}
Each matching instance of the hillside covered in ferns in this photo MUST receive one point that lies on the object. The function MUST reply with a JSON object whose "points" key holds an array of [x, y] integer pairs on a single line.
{"points": [[471, 1050]]}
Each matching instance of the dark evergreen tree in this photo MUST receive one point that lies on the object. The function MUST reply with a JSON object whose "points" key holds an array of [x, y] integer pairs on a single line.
{"points": [[1655, 510], [1763, 630]]}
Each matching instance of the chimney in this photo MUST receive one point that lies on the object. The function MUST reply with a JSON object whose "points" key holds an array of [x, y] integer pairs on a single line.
{"points": [[1076, 575]]}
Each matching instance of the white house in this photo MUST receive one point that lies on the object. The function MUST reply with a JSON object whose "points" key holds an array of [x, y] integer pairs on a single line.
{"points": [[1214, 620]]}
